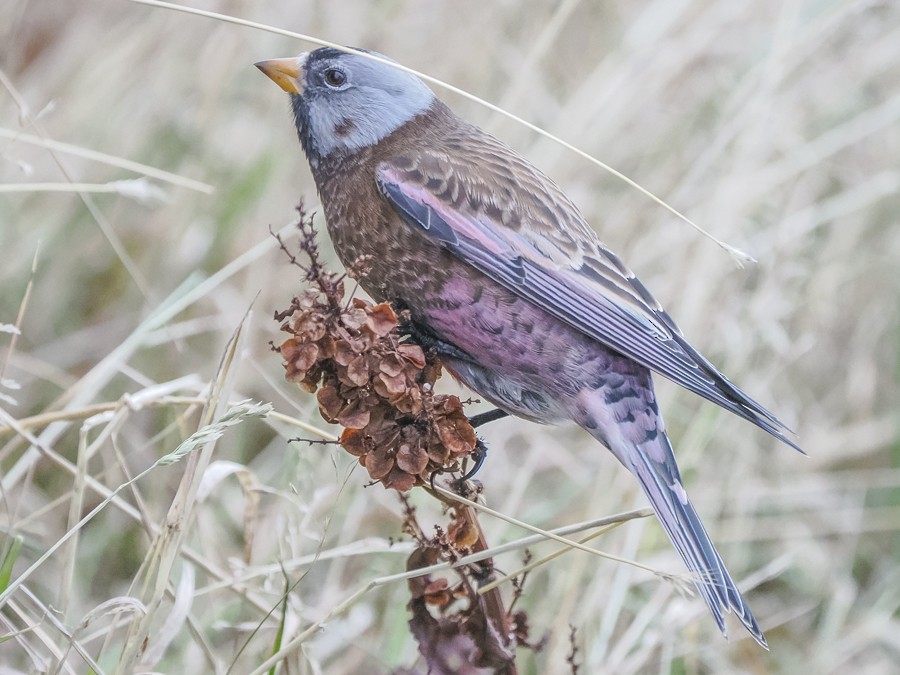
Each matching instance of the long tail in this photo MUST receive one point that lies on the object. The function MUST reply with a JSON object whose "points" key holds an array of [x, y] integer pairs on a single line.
{"points": [[654, 465]]}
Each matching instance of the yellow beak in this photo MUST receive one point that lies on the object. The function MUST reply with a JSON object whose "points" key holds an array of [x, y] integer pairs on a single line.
{"points": [[286, 73]]}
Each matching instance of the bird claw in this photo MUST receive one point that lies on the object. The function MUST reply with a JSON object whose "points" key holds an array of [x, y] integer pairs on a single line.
{"points": [[479, 454]]}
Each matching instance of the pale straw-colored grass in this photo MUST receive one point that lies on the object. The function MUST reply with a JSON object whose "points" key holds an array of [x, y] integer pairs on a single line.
{"points": [[142, 160]]}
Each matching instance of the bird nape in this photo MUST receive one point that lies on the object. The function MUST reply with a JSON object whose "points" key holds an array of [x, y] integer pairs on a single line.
{"points": [[493, 259]]}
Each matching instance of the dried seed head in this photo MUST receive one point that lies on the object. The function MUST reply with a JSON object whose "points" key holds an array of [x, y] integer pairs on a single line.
{"points": [[379, 388]]}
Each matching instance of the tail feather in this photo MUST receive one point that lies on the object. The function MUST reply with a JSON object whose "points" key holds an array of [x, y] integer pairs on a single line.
{"points": [[661, 481]]}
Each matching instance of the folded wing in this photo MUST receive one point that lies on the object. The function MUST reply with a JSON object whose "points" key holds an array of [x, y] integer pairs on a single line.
{"points": [[586, 287]]}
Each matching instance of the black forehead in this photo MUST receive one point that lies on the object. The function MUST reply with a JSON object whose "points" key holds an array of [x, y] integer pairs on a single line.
{"points": [[329, 54]]}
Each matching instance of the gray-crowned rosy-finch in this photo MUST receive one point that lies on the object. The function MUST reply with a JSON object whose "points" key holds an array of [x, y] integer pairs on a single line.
{"points": [[502, 272]]}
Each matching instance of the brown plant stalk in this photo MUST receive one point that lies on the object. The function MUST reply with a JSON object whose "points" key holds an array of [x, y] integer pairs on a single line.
{"points": [[370, 378]]}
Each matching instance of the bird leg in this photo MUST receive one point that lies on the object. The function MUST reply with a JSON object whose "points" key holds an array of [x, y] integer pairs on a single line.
{"points": [[488, 416]]}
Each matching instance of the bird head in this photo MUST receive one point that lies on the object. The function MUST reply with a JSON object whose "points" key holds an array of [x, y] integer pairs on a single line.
{"points": [[343, 102]]}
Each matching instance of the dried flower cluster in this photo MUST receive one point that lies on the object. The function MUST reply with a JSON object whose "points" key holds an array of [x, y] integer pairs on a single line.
{"points": [[380, 388], [369, 380]]}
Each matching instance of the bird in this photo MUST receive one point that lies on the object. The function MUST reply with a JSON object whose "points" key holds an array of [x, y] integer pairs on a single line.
{"points": [[504, 276]]}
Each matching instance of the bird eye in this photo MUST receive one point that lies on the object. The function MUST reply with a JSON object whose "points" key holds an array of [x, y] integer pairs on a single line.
{"points": [[335, 77]]}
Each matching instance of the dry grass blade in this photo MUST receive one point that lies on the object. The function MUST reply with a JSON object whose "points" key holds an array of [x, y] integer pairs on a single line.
{"points": [[166, 548], [40, 421], [534, 564], [15, 331], [545, 533], [111, 160], [137, 189], [776, 122]]}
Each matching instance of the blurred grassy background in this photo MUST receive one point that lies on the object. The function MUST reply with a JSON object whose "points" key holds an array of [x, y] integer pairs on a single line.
{"points": [[772, 124]]}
